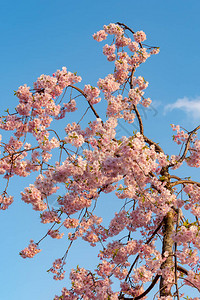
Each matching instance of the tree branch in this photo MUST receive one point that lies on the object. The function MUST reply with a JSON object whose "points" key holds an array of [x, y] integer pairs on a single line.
{"points": [[150, 142], [145, 292], [128, 28], [91, 106], [186, 146], [182, 181], [147, 242]]}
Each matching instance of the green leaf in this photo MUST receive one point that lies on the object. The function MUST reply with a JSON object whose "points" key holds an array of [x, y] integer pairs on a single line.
{"points": [[115, 253]]}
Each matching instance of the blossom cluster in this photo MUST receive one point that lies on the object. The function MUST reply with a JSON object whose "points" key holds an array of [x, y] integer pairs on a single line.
{"points": [[181, 136], [5, 201], [57, 269], [30, 251]]}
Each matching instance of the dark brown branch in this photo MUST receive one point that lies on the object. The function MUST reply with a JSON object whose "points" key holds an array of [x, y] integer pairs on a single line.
{"points": [[131, 78], [182, 181], [128, 28], [186, 146], [150, 142], [48, 231], [131, 82], [149, 288], [192, 284], [18, 152], [91, 106], [147, 242], [139, 119], [145, 292], [134, 106], [183, 270], [175, 177]]}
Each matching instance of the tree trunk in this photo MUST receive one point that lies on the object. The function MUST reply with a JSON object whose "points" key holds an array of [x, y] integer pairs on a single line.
{"points": [[165, 289]]}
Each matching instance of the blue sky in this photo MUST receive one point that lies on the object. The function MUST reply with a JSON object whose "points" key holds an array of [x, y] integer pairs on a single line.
{"points": [[39, 37]]}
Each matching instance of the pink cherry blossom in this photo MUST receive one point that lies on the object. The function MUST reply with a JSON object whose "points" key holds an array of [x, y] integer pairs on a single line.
{"points": [[30, 251], [139, 36], [100, 36]]}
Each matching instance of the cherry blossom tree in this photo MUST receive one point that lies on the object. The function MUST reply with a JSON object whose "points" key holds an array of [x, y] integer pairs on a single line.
{"points": [[150, 243]]}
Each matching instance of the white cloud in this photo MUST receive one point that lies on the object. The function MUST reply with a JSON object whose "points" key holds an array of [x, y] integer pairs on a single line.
{"points": [[191, 107]]}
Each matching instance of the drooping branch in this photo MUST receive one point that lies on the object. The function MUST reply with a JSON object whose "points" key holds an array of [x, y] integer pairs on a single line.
{"points": [[184, 271], [149, 288], [145, 292], [135, 106], [147, 242]]}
